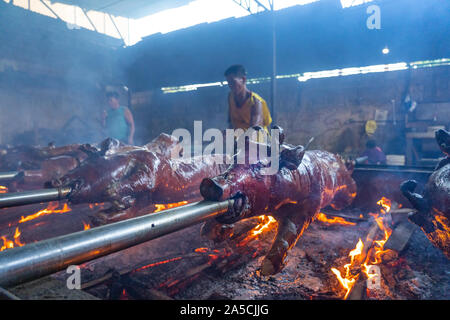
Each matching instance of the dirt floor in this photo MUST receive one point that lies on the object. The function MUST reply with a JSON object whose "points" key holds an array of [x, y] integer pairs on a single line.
{"points": [[183, 265]]}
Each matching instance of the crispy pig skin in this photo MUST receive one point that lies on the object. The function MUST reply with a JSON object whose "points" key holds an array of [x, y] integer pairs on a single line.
{"points": [[293, 196]]}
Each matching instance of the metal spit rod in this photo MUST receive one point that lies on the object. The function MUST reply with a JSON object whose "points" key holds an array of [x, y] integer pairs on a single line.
{"points": [[9, 175], [35, 260], [35, 196]]}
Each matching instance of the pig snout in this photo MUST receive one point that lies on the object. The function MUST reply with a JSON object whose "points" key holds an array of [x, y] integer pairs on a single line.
{"points": [[215, 189]]}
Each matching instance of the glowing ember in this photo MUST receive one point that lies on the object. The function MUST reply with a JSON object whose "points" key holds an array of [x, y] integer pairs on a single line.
{"points": [[51, 208], [158, 263], [93, 205], [3, 189], [160, 207], [335, 220]]}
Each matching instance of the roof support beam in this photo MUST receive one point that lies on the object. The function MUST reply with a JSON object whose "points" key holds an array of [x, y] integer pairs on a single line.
{"points": [[252, 6], [89, 19], [49, 8], [115, 26]]}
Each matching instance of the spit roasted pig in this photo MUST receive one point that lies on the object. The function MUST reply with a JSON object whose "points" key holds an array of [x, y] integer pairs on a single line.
{"points": [[305, 183], [131, 178], [39, 165], [433, 207], [35, 165], [31, 158]]}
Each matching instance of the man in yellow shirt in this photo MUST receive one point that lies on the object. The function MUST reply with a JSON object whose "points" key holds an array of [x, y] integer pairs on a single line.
{"points": [[246, 108]]}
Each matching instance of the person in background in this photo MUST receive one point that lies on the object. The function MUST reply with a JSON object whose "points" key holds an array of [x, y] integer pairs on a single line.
{"points": [[118, 120], [246, 108], [374, 153]]}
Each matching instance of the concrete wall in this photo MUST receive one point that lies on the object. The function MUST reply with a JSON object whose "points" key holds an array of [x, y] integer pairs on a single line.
{"points": [[49, 75], [333, 110], [32, 114]]}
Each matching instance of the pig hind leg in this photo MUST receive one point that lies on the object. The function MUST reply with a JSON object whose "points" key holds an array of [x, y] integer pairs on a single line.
{"points": [[292, 221]]}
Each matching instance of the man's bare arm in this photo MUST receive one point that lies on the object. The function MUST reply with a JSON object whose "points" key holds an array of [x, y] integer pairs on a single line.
{"points": [[256, 114], [130, 121]]}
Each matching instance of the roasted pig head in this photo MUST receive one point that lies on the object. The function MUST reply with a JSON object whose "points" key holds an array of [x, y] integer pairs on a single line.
{"points": [[433, 207], [443, 141]]}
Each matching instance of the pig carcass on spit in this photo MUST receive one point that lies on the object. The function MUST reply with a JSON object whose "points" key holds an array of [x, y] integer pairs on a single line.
{"points": [[35, 165], [39, 165], [305, 183], [433, 207], [132, 178], [31, 158]]}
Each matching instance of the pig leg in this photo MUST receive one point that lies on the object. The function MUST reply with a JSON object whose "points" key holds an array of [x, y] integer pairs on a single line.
{"points": [[123, 203], [292, 221], [422, 218]]}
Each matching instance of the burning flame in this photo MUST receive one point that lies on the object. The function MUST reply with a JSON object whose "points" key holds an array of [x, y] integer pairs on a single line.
{"points": [[349, 279], [51, 208], [86, 226], [440, 237], [361, 263], [8, 244], [266, 223], [160, 207], [3, 189], [335, 220], [386, 204]]}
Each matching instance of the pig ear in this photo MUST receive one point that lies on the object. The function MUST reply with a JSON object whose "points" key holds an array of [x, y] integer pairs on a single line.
{"points": [[108, 144], [282, 135], [91, 151], [291, 158]]}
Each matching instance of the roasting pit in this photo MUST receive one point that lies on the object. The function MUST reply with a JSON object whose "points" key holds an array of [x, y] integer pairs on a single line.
{"points": [[183, 265]]}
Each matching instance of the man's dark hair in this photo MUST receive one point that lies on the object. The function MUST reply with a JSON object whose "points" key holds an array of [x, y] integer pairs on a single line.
{"points": [[113, 94], [370, 144], [236, 70]]}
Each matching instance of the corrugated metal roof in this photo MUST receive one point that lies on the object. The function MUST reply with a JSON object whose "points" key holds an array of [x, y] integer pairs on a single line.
{"points": [[133, 9]]}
